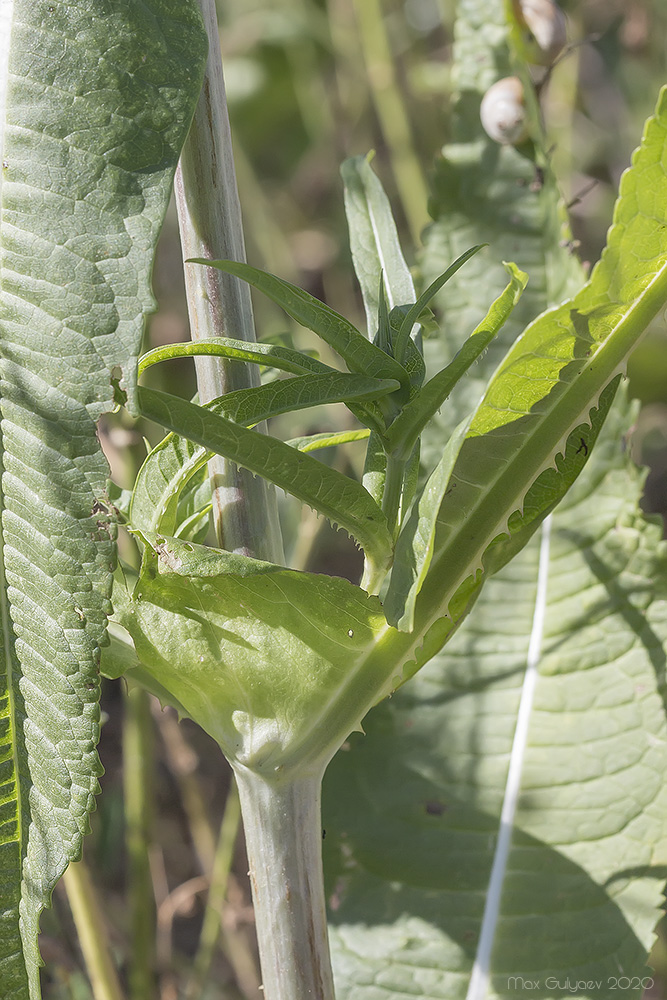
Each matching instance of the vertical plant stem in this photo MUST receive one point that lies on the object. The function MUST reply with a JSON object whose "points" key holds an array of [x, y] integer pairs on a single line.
{"points": [[244, 507], [392, 114], [284, 842], [138, 765], [91, 932]]}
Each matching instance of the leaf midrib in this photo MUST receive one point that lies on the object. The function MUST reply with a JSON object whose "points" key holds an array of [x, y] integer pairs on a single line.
{"points": [[394, 648], [612, 356]]}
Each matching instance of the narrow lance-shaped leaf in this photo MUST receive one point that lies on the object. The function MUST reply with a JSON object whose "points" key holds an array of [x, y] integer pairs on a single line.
{"points": [[374, 240], [327, 439], [174, 461], [95, 102], [271, 355], [414, 547], [426, 297], [250, 406], [339, 498], [358, 353], [414, 416], [383, 335]]}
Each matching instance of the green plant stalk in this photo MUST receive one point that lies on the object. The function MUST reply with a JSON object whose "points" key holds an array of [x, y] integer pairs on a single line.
{"points": [[392, 115], [283, 833], [138, 765], [287, 884], [91, 932], [210, 932], [209, 214]]}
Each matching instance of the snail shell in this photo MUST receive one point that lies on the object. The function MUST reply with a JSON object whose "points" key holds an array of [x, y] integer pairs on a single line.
{"points": [[503, 112], [546, 26]]}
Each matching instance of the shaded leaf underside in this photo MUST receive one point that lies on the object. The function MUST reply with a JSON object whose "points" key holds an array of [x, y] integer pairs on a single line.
{"points": [[412, 810], [588, 858]]}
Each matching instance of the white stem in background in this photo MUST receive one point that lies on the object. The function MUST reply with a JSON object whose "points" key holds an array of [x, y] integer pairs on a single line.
{"points": [[284, 842], [479, 980], [209, 215]]}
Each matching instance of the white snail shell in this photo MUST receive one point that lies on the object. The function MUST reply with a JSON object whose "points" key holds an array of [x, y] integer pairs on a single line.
{"points": [[547, 28], [503, 112]]}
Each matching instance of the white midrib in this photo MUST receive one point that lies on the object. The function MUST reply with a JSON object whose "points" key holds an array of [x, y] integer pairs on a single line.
{"points": [[6, 21], [479, 980]]}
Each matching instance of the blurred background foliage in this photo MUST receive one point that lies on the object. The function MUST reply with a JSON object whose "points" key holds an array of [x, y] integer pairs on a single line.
{"points": [[311, 82]]}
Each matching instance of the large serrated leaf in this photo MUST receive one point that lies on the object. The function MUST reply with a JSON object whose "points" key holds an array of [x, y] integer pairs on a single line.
{"points": [[413, 810], [95, 103], [563, 363], [581, 887]]}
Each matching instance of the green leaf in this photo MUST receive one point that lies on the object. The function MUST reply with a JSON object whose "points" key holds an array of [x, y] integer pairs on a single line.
{"points": [[171, 464], [327, 439], [547, 706], [166, 472], [412, 811], [250, 406], [267, 660], [413, 314], [383, 336], [558, 368], [95, 102], [119, 658], [194, 506], [358, 353], [414, 547], [271, 355], [414, 416], [376, 250], [342, 500]]}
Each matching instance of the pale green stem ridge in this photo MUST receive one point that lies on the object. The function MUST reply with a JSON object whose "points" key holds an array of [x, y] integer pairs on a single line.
{"points": [[244, 507], [284, 842]]}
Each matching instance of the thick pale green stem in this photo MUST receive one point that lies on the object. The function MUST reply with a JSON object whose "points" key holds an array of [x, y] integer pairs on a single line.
{"points": [[209, 215], [284, 842]]}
